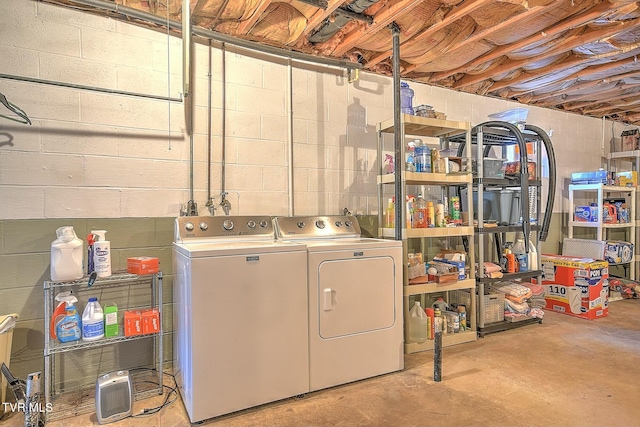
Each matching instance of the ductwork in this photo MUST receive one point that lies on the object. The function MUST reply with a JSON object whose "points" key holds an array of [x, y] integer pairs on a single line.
{"points": [[331, 26]]}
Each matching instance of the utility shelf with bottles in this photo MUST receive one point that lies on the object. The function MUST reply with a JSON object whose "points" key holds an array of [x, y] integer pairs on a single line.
{"points": [[396, 183], [71, 400]]}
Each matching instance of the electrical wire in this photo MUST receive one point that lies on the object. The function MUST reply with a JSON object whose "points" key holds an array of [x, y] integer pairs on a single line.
{"points": [[172, 390]]}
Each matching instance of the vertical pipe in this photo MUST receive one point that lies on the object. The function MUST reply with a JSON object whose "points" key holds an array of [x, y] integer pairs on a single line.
{"points": [[397, 134], [437, 352], [223, 125], [290, 134], [209, 79]]}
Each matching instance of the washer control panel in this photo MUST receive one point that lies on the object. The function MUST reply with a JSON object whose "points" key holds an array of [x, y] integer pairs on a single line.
{"points": [[188, 227], [317, 226]]}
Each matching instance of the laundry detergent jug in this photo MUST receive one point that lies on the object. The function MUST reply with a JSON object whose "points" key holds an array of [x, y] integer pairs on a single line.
{"points": [[66, 256]]}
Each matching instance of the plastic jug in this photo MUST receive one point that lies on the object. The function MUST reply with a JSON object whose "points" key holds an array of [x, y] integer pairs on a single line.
{"points": [[518, 249], [417, 324], [66, 256], [406, 99], [420, 213], [92, 321], [422, 156]]}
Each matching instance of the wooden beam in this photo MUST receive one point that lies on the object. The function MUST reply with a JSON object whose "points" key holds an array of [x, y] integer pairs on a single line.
{"points": [[565, 25], [566, 46], [588, 98], [620, 105], [246, 25], [514, 20], [384, 17], [454, 14]]}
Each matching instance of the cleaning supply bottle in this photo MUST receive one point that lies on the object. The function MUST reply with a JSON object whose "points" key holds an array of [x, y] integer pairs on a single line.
{"points": [[410, 201], [66, 256], [420, 212], [431, 215], [390, 214], [64, 299], [101, 254], [440, 215], [518, 250], [91, 239], [533, 256], [92, 321], [411, 160], [417, 324], [511, 261], [69, 329]]}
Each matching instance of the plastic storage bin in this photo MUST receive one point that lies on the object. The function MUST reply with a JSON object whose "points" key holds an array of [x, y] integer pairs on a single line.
{"points": [[493, 168], [7, 323]]}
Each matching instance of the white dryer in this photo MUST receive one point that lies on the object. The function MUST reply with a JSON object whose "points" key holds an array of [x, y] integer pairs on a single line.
{"points": [[355, 299], [240, 315]]}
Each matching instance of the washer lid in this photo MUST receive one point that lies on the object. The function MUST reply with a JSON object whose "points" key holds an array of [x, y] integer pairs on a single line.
{"points": [[359, 243], [195, 249]]}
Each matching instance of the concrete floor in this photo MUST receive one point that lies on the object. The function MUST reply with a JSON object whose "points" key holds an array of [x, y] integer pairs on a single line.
{"points": [[566, 371]]}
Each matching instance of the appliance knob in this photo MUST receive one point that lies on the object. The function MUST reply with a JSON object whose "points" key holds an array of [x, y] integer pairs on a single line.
{"points": [[338, 223], [227, 225], [251, 224], [188, 226], [348, 223], [320, 224], [300, 224], [203, 226], [263, 224]]}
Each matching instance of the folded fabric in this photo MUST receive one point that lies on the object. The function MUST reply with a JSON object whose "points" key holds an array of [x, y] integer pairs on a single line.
{"points": [[514, 289], [535, 288], [519, 299], [514, 307], [537, 313]]}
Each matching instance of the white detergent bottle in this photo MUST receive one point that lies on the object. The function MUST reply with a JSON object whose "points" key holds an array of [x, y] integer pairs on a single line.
{"points": [[66, 256], [92, 321], [101, 254]]}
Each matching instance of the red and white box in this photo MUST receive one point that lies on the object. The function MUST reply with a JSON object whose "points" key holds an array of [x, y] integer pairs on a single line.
{"points": [[142, 265], [132, 323], [150, 321], [576, 286]]}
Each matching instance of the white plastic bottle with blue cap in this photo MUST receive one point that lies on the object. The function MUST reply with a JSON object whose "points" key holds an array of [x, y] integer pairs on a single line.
{"points": [[92, 321], [101, 254]]}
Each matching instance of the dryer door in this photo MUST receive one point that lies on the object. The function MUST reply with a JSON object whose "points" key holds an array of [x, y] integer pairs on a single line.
{"points": [[355, 295]]}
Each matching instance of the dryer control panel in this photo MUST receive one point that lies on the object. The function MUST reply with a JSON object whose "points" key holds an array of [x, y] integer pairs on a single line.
{"points": [[211, 227], [310, 227]]}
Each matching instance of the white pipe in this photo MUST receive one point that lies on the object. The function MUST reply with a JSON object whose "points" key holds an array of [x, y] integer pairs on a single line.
{"points": [[290, 133]]}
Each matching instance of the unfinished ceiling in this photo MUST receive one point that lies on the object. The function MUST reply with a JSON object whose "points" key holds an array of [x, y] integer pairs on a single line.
{"points": [[573, 55]]}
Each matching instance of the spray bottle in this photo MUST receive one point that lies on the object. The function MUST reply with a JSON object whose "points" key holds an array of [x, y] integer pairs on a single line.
{"points": [[388, 162], [69, 328], [64, 299], [101, 254]]}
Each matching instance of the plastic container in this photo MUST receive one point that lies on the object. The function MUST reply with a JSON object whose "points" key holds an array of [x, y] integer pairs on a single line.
{"points": [[69, 329], [422, 156], [533, 256], [102, 254], [417, 324], [506, 205], [92, 321], [390, 215], [518, 249], [440, 304], [439, 212], [420, 212], [66, 256], [515, 216], [431, 215], [410, 164], [406, 99]]}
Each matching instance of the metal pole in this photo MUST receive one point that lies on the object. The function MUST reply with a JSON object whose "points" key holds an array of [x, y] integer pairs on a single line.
{"points": [[397, 134], [437, 351]]}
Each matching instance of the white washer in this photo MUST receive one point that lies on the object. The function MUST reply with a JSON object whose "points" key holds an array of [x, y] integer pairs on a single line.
{"points": [[240, 315], [355, 299]]}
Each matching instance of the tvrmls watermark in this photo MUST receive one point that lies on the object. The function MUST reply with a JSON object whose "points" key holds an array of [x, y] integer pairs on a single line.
{"points": [[31, 407]]}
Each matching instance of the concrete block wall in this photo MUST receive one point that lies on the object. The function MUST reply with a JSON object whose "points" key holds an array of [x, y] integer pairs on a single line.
{"points": [[96, 158]]}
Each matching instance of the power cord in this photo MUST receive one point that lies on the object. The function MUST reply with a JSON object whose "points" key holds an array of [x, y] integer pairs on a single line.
{"points": [[172, 390]]}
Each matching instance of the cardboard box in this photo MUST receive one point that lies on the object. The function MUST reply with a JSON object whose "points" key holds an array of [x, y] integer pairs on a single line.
{"points": [[586, 214], [630, 140], [455, 258], [142, 265], [576, 286], [132, 323], [150, 321], [110, 320], [617, 251], [627, 179]]}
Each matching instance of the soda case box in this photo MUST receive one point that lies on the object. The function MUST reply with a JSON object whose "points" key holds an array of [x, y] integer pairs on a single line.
{"points": [[576, 286], [617, 251]]}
